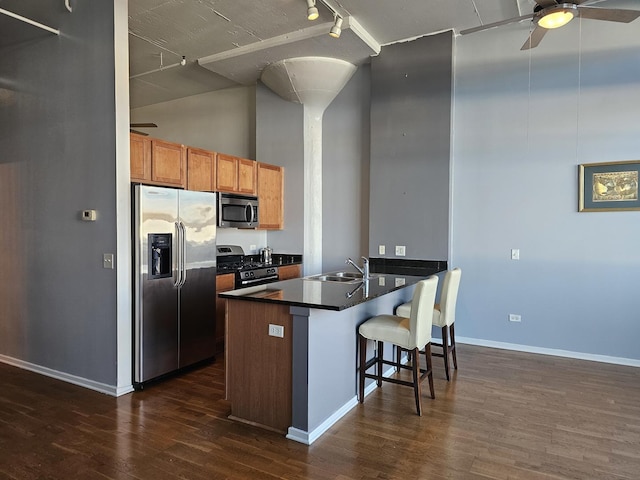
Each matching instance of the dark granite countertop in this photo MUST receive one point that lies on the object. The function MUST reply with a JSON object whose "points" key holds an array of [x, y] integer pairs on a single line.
{"points": [[306, 292], [278, 260]]}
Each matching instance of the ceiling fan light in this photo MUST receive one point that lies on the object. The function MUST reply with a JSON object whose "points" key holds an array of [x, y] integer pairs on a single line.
{"points": [[312, 10], [556, 19]]}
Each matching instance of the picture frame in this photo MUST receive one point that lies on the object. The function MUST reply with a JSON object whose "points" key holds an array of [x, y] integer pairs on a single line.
{"points": [[609, 186]]}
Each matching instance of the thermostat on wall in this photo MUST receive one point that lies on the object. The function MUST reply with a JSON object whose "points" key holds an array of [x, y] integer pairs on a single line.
{"points": [[89, 215]]}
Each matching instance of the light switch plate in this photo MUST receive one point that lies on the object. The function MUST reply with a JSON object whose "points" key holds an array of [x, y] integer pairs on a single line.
{"points": [[515, 254], [381, 249], [107, 260]]}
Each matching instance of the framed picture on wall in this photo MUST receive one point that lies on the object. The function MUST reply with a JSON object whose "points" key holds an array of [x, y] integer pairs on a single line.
{"points": [[609, 187]]}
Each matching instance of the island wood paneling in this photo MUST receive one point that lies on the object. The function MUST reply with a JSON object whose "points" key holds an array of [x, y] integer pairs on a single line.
{"points": [[259, 367], [224, 283]]}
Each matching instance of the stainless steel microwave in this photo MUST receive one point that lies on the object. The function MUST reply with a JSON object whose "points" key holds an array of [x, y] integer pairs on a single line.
{"points": [[237, 211]]}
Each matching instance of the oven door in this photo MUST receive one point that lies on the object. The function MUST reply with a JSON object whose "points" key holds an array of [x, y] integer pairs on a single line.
{"points": [[252, 282]]}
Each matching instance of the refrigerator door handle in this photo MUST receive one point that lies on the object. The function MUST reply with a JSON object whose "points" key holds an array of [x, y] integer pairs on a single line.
{"points": [[178, 251], [183, 241]]}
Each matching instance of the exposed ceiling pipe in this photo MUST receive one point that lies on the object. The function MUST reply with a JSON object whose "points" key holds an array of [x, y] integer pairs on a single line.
{"points": [[29, 21]]}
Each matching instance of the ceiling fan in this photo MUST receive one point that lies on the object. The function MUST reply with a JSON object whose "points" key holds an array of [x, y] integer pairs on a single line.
{"points": [[548, 14], [133, 126]]}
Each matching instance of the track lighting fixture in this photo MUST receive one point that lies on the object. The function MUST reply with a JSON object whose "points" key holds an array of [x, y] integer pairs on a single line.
{"points": [[336, 30], [312, 10], [183, 62]]}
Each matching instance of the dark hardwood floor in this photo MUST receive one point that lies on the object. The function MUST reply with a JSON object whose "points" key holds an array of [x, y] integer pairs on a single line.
{"points": [[504, 415]]}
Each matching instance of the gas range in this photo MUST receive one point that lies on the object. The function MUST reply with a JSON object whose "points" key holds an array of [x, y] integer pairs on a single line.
{"points": [[231, 259]]}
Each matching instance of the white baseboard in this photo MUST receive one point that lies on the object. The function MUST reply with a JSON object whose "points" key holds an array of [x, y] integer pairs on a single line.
{"points": [[309, 437], [66, 377], [550, 351]]}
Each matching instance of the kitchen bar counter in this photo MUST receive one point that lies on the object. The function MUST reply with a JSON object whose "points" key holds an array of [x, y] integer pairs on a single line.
{"points": [[291, 349], [310, 293]]}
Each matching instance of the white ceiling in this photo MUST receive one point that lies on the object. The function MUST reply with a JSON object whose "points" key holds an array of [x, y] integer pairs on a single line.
{"points": [[229, 42]]}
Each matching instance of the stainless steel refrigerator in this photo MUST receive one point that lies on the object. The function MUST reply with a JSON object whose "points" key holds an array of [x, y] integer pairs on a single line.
{"points": [[174, 279]]}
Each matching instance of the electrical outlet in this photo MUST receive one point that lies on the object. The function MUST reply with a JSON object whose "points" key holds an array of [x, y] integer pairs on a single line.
{"points": [[252, 248], [515, 254], [514, 317], [400, 282], [401, 250], [276, 330], [381, 249]]}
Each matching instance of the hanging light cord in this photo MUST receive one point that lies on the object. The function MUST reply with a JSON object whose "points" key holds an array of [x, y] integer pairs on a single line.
{"points": [[579, 91], [529, 95]]}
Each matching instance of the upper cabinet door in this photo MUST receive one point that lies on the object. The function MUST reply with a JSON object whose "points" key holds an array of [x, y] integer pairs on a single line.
{"points": [[140, 157], [168, 162], [201, 170], [227, 173], [246, 176], [271, 196]]}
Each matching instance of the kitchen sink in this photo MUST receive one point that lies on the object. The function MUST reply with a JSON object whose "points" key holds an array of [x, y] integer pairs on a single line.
{"points": [[348, 274], [344, 277], [331, 278]]}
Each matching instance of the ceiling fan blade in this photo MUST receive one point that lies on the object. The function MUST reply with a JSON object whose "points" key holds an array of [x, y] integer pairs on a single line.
{"points": [[609, 14], [143, 125], [546, 3], [535, 38], [139, 133], [496, 24]]}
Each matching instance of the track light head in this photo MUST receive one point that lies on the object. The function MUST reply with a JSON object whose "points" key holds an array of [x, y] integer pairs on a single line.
{"points": [[312, 10], [336, 30], [183, 61]]}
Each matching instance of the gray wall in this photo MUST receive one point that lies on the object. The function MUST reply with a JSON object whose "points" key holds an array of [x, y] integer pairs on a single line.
{"points": [[222, 121], [411, 92], [524, 121], [279, 141], [57, 131], [345, 148], [345, 167]]}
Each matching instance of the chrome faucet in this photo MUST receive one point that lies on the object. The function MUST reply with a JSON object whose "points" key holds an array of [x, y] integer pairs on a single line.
{"points": [[365, 267]]}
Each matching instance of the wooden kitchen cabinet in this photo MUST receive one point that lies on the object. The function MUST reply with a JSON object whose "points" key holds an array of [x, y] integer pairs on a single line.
{"points": [[224, 283], [271, 196], [201, 170], [235, 174], [140, 157], [157, 162], [168, 162], [247, 176], [287, 272]]}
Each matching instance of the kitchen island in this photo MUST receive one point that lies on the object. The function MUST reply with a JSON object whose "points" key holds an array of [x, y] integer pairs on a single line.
{"points": [[291, 355]]}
